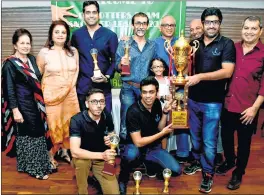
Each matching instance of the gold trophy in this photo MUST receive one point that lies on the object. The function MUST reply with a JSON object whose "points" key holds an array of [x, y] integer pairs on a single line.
{"points": [[137, 175], [125, 69], [109, 167], [97, 72], [166, 175], [180, 53]]}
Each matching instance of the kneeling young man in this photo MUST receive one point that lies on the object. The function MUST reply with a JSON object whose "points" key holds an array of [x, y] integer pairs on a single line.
{"points": [[89, 143], [145, 123]]}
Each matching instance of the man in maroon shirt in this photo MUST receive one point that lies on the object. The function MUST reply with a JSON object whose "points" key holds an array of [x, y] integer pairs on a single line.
{"points": [[244, 97]]}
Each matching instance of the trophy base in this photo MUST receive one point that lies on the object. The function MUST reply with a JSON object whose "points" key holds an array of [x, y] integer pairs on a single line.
{"points": [[179, 119], [109, 169], [97, 74], [125, 70]]}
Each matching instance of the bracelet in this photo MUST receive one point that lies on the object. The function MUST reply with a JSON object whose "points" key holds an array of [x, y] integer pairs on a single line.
{"points": [[166, 113]]}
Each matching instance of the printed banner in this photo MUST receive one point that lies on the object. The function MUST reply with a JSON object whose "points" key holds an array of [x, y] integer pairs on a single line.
{"points": [[117, 15]]}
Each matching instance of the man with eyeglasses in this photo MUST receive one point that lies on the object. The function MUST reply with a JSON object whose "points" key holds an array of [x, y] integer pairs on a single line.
{"points": [[213, 65], [142, 50], [89, 143], [94, 35], [181, 140], [244, 97], [196, 31]]}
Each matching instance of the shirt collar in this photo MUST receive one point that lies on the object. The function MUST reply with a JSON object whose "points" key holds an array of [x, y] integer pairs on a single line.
{"points": [[258, 46], [89, 119], [217, 39], [143, 108]]}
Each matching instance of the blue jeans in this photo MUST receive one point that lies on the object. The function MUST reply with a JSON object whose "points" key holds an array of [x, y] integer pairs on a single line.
{"points": [[128, 95], [182, 141], [204, 126], [131, 156]]}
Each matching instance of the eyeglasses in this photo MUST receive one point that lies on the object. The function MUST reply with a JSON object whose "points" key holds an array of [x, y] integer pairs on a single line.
{"points": [[141, 23], [156, 67], [95, 102], [168, 25], [214, 22]]}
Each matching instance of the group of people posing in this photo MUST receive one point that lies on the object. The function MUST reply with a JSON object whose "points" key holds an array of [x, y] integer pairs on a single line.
{"points": [[54, 103]]}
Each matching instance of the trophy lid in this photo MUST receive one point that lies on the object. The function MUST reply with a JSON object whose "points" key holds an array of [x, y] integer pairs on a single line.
{"points": [[181, 42]]}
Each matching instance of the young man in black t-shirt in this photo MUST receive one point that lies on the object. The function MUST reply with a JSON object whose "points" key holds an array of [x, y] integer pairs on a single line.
{"points": [[89, 143], [145, 123]]}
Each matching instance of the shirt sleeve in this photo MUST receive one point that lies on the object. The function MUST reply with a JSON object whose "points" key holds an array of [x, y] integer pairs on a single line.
{"points": [[75, 128], [113, 46], [9, 75], [119, 54], [229, 52], [261, 88], [132, 121]]}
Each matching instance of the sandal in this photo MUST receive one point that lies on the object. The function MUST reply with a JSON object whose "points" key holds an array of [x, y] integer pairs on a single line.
{"points": [[45, 177]]}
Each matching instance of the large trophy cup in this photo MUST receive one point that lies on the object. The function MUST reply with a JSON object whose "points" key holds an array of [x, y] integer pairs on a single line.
{"points": [[180, 53], [166, 175], [97, 72], [137, 175], [109, 167], [125, 69]]}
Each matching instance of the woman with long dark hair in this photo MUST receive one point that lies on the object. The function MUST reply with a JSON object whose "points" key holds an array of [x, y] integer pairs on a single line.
{"points": [[23, 110], [58, 62]]}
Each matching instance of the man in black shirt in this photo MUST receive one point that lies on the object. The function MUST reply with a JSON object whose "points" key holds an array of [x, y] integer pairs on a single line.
{"points": [[213, 64], [89, 143], [145, 123]]}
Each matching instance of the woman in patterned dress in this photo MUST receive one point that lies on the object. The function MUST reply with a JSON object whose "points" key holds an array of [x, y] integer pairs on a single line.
{"points": [[23, 110], [59, 64]]}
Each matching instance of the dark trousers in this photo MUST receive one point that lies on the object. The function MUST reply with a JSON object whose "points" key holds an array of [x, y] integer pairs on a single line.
{"points": [[231, 122]]}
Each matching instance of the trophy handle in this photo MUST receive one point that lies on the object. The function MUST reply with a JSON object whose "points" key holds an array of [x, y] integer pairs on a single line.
{"points": [[168, 47], [195, 47]]}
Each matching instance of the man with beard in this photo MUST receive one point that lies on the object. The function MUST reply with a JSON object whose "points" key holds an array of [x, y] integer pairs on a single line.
{"points": [[167, 29], [213, 64], [146, 122], [89, 143], [196, 31], [94, 35], [142, 50], [243, 100]]}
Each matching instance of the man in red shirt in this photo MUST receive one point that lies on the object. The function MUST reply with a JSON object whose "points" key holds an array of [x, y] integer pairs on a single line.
{"points": [[244, 97]]}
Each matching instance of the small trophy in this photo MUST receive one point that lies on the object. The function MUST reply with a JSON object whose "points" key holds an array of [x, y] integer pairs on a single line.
{"points": [[180, 53], [125, 69], [97, 72], [109, 167], [137, 175], [166, 175]]}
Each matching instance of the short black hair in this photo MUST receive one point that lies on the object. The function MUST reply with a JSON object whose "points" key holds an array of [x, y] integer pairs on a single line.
{"points": [[140, 14], [93, 91], [150, 80], [212, 11], [166, 71], [87, 3], [253, 18]]}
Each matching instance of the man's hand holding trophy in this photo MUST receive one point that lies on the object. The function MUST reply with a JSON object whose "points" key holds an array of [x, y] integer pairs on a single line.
{"points": [[111, 140]]}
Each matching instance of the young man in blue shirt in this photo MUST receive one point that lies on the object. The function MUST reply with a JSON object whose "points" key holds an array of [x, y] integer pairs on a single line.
{"points": [[94, 35]]}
